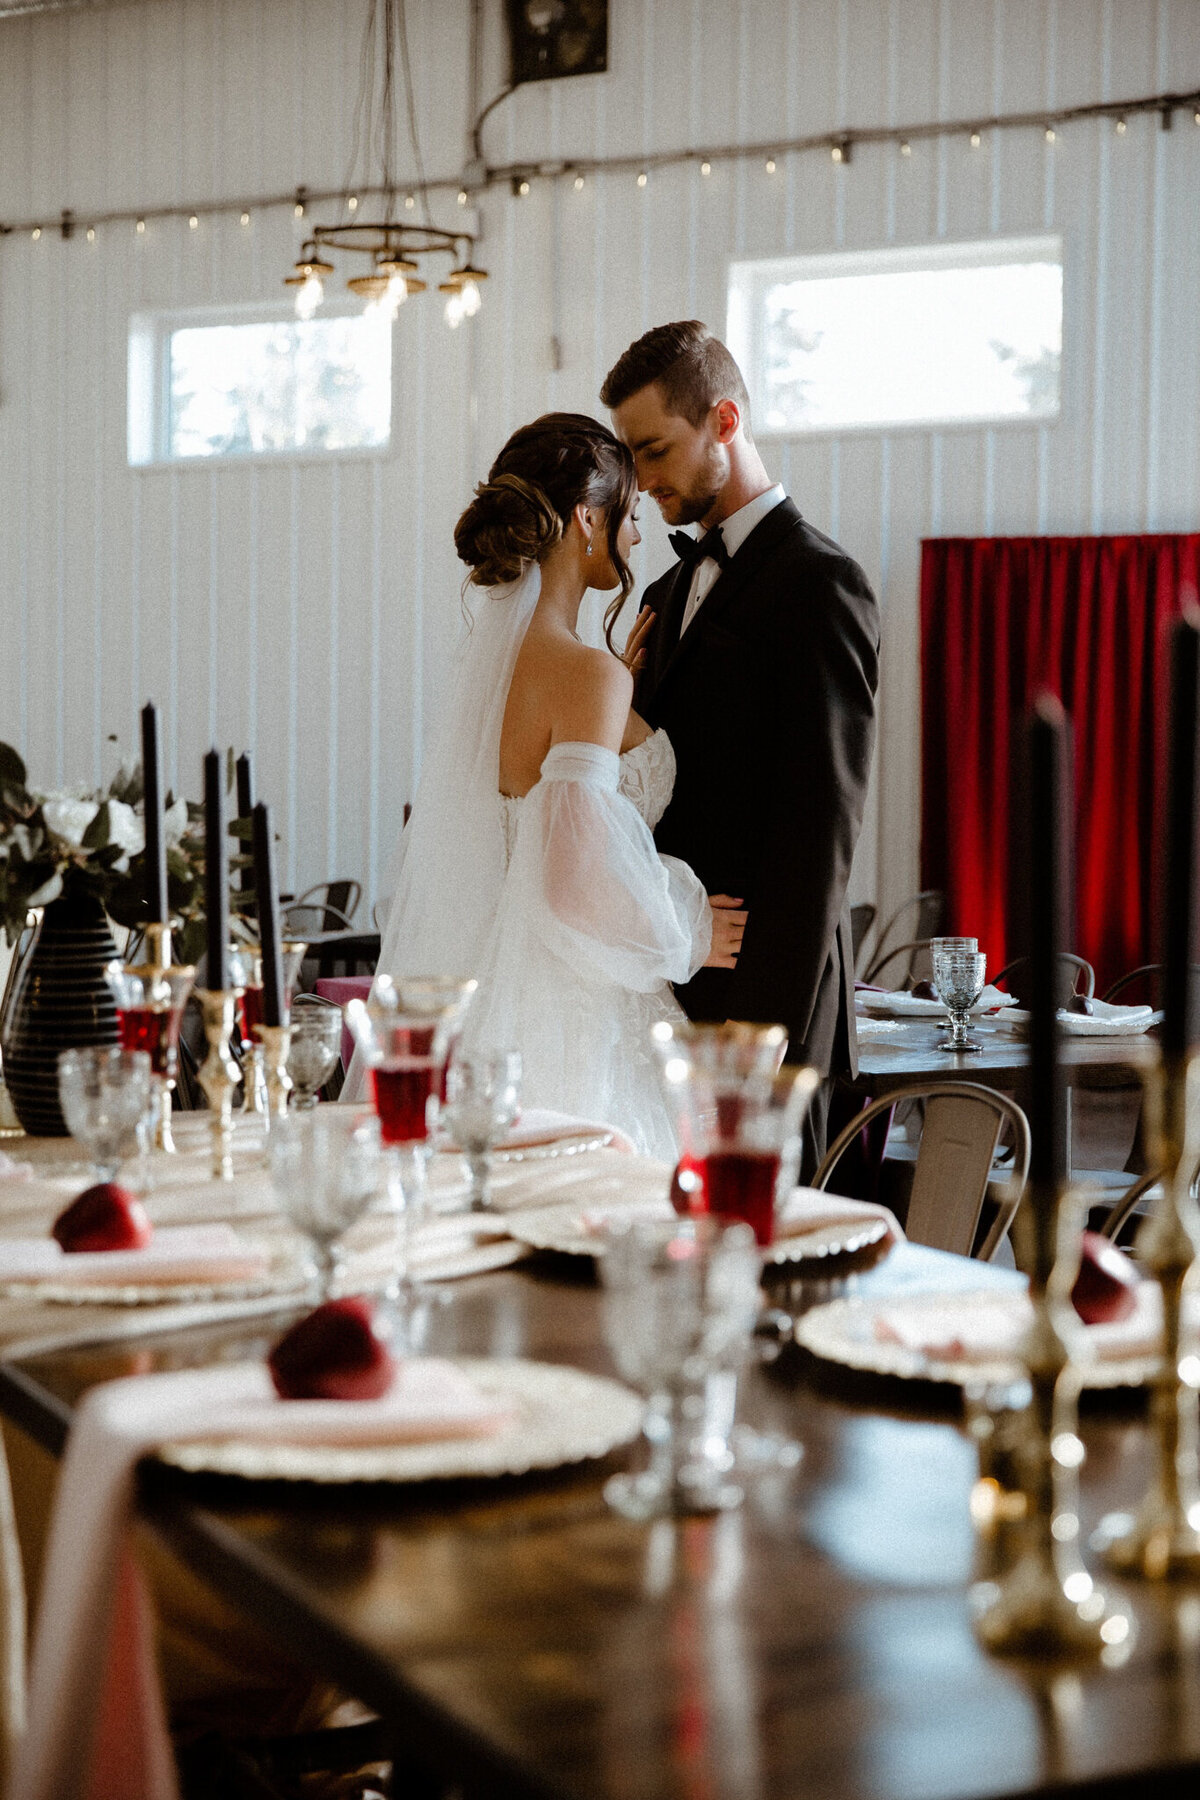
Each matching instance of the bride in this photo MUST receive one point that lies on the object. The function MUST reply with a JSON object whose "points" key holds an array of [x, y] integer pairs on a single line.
{"points": [[528, 861]]}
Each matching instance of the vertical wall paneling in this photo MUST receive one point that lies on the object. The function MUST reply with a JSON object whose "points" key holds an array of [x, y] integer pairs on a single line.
{"points": [[308, 611]]}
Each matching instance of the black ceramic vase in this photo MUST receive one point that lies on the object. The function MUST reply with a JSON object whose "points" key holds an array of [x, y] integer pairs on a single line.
{"points": [[61, 1002]]}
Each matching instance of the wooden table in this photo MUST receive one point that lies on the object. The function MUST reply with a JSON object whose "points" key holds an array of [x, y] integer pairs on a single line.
{"points": [[915, 1055], [523, 1640]]}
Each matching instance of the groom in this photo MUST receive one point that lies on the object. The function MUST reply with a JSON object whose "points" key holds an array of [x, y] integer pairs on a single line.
{"points": [[761, 667]]}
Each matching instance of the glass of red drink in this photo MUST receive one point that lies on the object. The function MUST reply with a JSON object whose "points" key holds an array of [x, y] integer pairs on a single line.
{"points": [[739, 1118], [150, 1000], [245, 969]]}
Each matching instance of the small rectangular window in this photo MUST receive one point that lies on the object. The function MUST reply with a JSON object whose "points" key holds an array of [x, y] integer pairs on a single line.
{"points": [[943, 334], [216, 385]]}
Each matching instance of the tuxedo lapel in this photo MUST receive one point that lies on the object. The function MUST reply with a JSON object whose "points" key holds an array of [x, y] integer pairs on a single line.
{"points": [[731, 582], [665, 635]]}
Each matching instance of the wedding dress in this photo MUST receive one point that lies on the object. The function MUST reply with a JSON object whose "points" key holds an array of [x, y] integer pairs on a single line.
{"points": [[557, 902]]}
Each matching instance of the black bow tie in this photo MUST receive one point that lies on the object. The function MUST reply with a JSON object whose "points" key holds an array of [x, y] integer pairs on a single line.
{"points": [[692, 551]]}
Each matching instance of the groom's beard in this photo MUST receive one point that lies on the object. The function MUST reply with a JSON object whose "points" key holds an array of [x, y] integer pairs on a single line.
{"points": [[689, 507]]}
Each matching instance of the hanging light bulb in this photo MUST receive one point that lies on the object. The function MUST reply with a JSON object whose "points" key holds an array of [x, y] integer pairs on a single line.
{"points": [[464, 299], [352, 203], [308, 279], [140, 228], [245, 218], [706, 167]]}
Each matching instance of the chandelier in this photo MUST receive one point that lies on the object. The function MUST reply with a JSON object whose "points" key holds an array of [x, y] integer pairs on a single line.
{"points": [[393, 248]]}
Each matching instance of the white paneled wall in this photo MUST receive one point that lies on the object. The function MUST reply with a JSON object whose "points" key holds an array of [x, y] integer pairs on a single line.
{"points": [[307, 611]]}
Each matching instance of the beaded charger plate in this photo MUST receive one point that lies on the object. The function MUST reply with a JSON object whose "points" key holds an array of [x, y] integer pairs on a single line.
{"points": [[559, 1416], [564, 1146], [574, 1232], [285, 1275], [844, 1331]]}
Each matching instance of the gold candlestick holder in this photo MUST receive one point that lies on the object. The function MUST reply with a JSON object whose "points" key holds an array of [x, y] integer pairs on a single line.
{"points": [[1162, 1539], [1046, 1604], [245, 961], [218, 1075], [276, 1041]]}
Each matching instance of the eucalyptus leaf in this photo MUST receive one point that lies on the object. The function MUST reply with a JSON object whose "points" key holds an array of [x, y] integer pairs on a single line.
{"points": [[12, 769]]}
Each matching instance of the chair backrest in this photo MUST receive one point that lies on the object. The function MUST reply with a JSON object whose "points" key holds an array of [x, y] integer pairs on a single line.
{"points": [[1149, 975], [1075, 975], [914, 920], [917, 967], [340, 900], [305, 918], [963, 1121]]}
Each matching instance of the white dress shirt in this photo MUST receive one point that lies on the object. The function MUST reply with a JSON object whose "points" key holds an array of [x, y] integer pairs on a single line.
{"points": [[735, 530]]}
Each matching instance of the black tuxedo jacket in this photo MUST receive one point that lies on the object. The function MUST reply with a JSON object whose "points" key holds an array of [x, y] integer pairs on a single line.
{"points": [[769, 701]]}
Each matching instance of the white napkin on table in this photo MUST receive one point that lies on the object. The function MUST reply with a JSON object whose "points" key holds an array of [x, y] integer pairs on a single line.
{"points": [[538, 1125], [988, 1327], [175, 1254], [904, 1005], [812, 1209], [97, 1727]]}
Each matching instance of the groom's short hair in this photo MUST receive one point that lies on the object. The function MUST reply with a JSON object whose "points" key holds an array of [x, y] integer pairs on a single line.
{"points": [[692, 368]]}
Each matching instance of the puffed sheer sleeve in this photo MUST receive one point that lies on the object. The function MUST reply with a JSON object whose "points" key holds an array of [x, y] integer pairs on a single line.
{"points": [[592, 887]]}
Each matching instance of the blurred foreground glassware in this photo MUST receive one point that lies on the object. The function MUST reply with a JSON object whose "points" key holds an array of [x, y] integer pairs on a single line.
{"points": [[739, 1114], [326, 1168], [680, 1300], [483, 1089], [958, 976], [314, 1048], [150, 997], [108, 1100], [245, 970]]}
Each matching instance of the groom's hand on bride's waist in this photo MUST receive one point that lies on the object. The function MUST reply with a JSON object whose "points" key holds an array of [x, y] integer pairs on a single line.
{"points": [[728, 925]]}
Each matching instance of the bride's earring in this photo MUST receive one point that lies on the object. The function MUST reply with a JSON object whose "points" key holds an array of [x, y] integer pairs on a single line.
{"points": [[589, 547]]}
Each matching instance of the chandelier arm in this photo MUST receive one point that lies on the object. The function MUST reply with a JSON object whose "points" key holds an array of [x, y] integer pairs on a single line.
{"points": [[477, 127]]}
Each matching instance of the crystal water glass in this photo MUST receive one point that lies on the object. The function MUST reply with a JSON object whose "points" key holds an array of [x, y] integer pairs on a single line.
{"points": [[483, 1099], [326, 1168], [108, 1102], [314, 1048], [958, 976], [681, 1298]]}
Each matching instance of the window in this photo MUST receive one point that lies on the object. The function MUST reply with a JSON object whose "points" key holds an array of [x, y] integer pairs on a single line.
{"points": [[230, 384], [945, 334]]}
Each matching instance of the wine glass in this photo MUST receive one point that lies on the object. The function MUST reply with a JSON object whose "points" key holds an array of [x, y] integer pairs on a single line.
{"points": [[958, 976], [314, 1048], [326, 1169], [150, 1000], [107, 1097], [483, 1089], [246, 973], [680, 1301]]}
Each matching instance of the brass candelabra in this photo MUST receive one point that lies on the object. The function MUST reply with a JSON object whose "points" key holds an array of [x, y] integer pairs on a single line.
{"points": [[218, 1075]]}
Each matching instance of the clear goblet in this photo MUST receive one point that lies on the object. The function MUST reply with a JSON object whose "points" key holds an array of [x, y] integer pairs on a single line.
{"points": [[483, 1089], [680, 1301], [314, 1048], [107, 1099], [958, 976], [326, 1168]]}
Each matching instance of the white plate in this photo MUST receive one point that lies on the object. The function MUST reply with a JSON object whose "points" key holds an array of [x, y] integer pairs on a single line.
{"points": [[561, 1228], [564, 1146], [285, 1276], [843, 1331], [561, 1416]]}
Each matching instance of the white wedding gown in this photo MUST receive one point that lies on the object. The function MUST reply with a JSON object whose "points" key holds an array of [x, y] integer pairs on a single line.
{"points": [[592, 926], [557, 903]]}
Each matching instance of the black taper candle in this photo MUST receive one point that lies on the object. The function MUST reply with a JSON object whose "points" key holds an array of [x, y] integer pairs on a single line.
{"points": [[156, 847], [268, 917], [216, 872], [1179, 896], [245, 807], [1048, 736]]}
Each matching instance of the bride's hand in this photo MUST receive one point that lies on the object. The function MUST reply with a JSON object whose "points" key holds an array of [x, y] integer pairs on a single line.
{"points": [[635, 643], [728, 924]]}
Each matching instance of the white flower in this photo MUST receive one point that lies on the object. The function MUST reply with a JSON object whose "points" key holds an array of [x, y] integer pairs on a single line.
{"points": [[68, 819], [125, 828], [174, 823]]}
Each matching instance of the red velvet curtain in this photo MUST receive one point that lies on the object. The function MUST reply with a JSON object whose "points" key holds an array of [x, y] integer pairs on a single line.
{"points": [[1002, 618]]}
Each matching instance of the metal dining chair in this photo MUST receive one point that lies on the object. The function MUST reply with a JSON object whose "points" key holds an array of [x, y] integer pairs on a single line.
{"points": [[861, 920], [1076, 975], [928, 910], [917, 949], [963, 1121]]}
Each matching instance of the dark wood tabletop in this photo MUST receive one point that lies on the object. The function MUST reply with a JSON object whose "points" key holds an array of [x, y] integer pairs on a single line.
{"points": [[522, 1639], [915, 1054]]}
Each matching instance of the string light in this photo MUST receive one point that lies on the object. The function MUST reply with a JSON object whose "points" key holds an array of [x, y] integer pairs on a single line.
{"points": [[643, 178], [579, 184], [140, 228], [352, 203], [1122, 127], [410, 200], [245, 218], [194, 222], [91, 234], [770, 165], [706, 167], [298, 210], [976, 140], [905, 147], [462, 196], [1051, 134], [522, 188], [838, 153], [36, 233]]}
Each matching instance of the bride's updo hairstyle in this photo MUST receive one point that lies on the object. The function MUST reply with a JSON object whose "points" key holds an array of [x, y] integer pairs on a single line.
{"points": [[542, 474]]}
